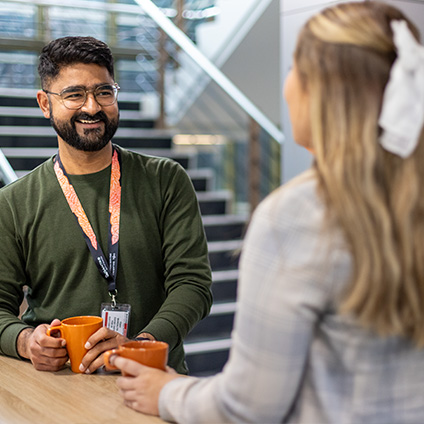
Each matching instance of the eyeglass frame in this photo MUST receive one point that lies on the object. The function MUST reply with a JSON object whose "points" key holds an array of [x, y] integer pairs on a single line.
{"points": [[115, 87]]}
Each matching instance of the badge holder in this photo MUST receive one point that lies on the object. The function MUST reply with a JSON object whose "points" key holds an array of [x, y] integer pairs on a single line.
{"points": [[116, 316]]}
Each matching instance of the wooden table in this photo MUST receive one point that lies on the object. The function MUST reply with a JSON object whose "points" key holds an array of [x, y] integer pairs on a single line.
{"points": [[39, 397]]}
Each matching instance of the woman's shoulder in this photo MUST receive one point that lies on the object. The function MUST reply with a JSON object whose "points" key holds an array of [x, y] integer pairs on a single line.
{"points": [[299, 195]]}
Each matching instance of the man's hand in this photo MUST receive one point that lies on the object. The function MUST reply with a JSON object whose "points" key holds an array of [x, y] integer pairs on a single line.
{"points": [[101, 341], [45, 352]]}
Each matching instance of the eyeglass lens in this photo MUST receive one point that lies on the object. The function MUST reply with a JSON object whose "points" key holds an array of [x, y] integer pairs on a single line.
{"points": [[105, 95]]}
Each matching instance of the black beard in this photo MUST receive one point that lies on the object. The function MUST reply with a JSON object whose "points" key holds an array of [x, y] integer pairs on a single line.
{"points": [[93, 140]]}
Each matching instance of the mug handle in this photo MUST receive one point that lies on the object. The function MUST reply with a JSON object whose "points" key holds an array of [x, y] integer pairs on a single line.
{"points": [[56, 328], [106, 358]]}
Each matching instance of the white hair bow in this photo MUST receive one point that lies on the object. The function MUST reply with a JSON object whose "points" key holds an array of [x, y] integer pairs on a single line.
{"points": [[402, 114]]}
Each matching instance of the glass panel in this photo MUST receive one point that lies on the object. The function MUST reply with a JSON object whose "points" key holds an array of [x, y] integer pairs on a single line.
{"points": [[66, 21], [17, 22], [18, 69], [137, 31], [135, 76]]}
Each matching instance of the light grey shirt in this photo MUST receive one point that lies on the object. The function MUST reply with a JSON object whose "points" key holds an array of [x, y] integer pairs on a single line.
{"points": [[294, 359]]}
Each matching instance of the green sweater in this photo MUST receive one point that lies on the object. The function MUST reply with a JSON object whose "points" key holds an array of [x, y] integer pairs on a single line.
{"points": [[163, 267]]}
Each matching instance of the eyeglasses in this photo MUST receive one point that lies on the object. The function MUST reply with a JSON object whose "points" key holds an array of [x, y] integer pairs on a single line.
{"points": [[75, 98]]}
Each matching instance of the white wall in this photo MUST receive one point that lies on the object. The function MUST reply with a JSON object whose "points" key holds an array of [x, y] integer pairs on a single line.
{"points": [[250, 58], [212, 37], [413, 9], [293, 14]]}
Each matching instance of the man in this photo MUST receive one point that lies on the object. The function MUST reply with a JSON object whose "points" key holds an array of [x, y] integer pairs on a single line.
{"points": [[92, 201]]}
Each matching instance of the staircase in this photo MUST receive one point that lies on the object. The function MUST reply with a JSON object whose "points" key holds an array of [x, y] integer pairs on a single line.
{"points": [[27, 140]]}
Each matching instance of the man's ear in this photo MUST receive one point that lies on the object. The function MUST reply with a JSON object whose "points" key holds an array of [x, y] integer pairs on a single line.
{"points": [[43, 102]]}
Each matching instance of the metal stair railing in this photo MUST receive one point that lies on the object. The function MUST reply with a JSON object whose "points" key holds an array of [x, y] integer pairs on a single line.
{"points": [[7, 174]]}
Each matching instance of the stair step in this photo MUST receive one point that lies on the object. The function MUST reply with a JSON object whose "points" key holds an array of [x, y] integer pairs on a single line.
{"points": [[12, 136], [192, 348], [23, 159], [207, 363], [224, 285], [203, 178], [224, 227], [208, 344], [224, 255], [31, 116], [27, 97], [217, 325], [215, 202], [18, 97]]}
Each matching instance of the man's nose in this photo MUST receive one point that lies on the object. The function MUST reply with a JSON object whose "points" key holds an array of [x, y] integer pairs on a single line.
{"points": [[91, 106]]}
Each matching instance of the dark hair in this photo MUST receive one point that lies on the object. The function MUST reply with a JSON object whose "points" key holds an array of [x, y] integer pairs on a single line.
{"points": [[71, 50]]}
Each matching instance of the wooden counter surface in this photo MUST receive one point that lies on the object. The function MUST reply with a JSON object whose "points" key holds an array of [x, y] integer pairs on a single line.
{"points": [[28, 396]]}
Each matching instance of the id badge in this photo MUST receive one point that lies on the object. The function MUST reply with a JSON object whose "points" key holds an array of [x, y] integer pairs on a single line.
{"points": [[117, 317]]}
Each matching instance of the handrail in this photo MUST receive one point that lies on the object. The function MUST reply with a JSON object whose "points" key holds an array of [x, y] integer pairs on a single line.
{"points": [[190, 49], [6, 171], [84, 4]]}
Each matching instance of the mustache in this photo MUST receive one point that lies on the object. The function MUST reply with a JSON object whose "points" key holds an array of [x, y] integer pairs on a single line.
{"points": [[100, 115]]}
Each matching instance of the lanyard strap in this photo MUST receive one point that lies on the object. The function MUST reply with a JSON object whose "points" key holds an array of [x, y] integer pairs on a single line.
{"points": [[107, 270]]}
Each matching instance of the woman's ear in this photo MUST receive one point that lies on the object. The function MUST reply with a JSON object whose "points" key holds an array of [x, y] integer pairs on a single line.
{"points": [[43, 102]]}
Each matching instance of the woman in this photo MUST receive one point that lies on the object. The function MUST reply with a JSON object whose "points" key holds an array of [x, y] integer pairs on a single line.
{"points": [[330, 326]]}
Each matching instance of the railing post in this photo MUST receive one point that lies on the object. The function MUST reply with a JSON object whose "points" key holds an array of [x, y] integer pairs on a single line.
{"points": [[162, 62], [112, 27], [254, 165], [163, 58], [179, 22]]}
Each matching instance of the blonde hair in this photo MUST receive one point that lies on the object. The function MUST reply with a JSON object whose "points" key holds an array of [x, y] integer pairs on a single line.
{"points": [[343, 57]]}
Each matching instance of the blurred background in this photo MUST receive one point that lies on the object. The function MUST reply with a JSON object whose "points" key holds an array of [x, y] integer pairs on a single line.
{"points": [[201, 82]]}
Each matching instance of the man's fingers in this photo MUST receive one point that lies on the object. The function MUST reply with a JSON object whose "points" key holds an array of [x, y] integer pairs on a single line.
{"points": [[102, 340], [95, 354], [54, 353], [100, 335], [52, 342], [49, 364], [93, 366], [48, 341], [49, 359], [105, 334]]}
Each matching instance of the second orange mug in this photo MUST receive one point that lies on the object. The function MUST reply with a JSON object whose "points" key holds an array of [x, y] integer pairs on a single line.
{"points": [[147, 352], [76, 331]]}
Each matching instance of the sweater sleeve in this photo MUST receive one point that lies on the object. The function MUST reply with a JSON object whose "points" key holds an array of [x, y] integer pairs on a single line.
{"points": [[280, 300], [12, 280], [185, 256]]}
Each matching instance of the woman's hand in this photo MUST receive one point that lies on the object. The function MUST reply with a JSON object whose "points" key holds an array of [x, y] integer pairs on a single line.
{"points": [[141, 388]]}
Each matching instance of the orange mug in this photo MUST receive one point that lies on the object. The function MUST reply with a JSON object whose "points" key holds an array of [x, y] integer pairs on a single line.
{"points": [[147, 352], [76, 331]]}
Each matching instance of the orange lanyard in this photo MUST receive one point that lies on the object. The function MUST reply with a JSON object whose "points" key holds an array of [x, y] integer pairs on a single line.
{"points": [[108, 269]]}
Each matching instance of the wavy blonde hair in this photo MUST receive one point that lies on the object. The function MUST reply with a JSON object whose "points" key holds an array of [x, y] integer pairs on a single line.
{"points": [[344, 56]]}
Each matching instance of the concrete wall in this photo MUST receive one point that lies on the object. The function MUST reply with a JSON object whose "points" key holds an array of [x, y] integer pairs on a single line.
{"points": [[293, 14], [414, 9]]}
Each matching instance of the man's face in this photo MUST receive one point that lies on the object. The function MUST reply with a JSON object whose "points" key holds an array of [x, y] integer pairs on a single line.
{"points": [[91, 127]]}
